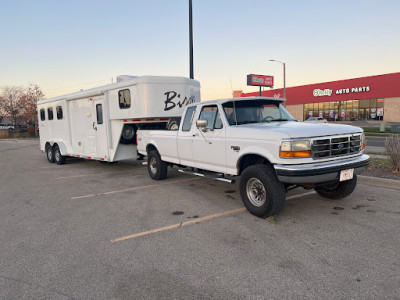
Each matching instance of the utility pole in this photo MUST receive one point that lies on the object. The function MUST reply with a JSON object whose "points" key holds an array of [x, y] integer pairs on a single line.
{"points": [[191, 40]]}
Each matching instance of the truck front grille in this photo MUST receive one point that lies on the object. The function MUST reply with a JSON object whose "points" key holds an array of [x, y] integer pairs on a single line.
{"points": [[336, 146]]}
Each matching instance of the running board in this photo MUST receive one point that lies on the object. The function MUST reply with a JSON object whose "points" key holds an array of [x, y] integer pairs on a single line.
{"points": [[210, 176]]}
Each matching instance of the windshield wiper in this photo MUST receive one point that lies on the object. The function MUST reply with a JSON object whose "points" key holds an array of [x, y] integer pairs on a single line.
{"points": [[246, 122], [279, 120]]}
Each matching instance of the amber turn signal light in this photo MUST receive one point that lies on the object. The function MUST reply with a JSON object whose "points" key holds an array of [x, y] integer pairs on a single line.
{"points": [[295, 153]]}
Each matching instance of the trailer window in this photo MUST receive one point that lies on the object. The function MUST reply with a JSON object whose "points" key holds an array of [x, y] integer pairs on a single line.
{"points": [[99, 113], [59, 112], [124, 97], [187, 121], [50, 113], [42, 115]]}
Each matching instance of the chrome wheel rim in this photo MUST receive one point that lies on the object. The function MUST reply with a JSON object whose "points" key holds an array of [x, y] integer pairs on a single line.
{"points": [[49, 154], [256, 192], [57, 155], [153, 165]]}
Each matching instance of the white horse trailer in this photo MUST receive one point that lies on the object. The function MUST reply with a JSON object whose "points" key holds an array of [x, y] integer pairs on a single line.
{"points": [[101, 123]]}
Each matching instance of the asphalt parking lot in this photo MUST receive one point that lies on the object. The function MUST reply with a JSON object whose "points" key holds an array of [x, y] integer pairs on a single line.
{"points": [[86, 230]]}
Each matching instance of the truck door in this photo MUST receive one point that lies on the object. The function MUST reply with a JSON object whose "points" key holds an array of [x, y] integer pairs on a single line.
{"points": [[99, 126], [209, 146], [185, 138]]}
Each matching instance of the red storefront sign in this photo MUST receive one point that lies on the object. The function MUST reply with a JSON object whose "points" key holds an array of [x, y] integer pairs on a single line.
{"points": [[260, 80], [372, 87]]}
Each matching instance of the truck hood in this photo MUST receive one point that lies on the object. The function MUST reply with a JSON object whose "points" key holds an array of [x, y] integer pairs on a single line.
{"points": [[303, 130]]}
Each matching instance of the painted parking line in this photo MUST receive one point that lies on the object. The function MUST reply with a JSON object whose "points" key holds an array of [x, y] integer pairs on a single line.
{"points": [[174, 226], [92, 174], [133, 188], [194, 221]]}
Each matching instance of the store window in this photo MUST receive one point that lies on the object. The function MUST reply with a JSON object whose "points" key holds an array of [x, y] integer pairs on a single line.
{"points": [[350, 110]]}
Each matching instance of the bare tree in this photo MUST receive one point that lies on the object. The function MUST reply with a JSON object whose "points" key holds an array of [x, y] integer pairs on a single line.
{"points": [[31, 95], [3, 112], [20, 103], [11, 101], [393, 150]]}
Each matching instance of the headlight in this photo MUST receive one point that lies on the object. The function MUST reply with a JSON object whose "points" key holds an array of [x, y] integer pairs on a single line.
{"points": [[295, 148]]}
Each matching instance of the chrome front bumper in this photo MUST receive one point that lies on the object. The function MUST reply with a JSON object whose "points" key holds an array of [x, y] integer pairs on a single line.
{"points": [[320, 172]]}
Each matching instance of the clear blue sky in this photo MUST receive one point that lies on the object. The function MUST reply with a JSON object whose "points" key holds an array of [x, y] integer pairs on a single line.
{"points": [[64, 46]]}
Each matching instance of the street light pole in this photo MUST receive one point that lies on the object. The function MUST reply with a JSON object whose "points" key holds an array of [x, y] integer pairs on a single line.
{"points": [[191, 40], [284, 76]]}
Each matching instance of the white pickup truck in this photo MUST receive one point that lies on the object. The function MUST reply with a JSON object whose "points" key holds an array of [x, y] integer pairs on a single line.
{"points": [[257, 139]]}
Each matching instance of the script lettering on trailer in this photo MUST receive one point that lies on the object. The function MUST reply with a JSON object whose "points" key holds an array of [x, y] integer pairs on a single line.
{"points": [[173, 100]]}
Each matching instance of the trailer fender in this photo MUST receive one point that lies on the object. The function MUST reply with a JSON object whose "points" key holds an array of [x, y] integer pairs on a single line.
{"points": [[61, 145]]}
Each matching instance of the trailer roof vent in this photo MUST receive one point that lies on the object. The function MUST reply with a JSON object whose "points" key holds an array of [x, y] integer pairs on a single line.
{"points": [[125, 77]]}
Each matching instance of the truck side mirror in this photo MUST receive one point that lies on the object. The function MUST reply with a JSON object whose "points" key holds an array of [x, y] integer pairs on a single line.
{"points": [[202, 124]]}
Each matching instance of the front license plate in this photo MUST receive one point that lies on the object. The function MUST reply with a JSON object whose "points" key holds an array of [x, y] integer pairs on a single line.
{"points": [[346, 174]]}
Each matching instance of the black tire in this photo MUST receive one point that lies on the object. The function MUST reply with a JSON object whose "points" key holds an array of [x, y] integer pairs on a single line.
{"points": [[128, 135], [261, 192], [49, 153], [337, 190], [58, 158], [157, 168]]}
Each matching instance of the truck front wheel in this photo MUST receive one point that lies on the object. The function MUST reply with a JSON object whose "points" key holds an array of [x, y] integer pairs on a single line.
{"points": [[261, 192], [337, 190], [156, 167]]}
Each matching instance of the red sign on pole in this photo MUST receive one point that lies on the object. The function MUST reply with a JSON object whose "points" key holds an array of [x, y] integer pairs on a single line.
{"points": [[260, 80]]}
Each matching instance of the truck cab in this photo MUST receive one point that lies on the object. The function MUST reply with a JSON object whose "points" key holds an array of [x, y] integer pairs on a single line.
{"points": [[257, 139]]}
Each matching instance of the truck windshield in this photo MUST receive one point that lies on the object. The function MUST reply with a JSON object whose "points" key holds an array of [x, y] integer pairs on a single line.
{"points": [[255, 111]]}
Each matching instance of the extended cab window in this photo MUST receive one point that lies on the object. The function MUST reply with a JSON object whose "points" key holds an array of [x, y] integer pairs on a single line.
{"points": [[124, 97], [187, 121], [211, 114]]}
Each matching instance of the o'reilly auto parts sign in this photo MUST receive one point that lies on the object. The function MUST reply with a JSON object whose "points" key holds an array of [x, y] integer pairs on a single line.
{"points": [[260, 80]]}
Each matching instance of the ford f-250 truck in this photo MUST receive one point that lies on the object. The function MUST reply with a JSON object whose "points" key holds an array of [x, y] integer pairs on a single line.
{"points": [[257, 139]]}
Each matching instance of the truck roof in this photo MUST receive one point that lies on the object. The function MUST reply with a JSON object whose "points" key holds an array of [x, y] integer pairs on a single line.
{"points": [[123, 81], [240, 99]]}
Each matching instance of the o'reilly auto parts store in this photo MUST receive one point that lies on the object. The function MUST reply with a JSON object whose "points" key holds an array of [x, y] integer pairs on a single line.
{"points": [[366, 98]]}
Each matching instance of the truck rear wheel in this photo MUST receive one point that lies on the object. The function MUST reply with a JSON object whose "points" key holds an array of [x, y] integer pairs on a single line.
{"points": [[50, 154], [156, 167], [337, 190], [261, 192]]}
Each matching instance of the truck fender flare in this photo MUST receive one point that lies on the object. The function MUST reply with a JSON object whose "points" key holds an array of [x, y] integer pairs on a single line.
{"points": [[151, 146], [253, 150]]}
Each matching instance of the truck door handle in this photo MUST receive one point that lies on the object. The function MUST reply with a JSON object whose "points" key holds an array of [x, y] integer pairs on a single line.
{"points": [[195, 134], [95, 128]]}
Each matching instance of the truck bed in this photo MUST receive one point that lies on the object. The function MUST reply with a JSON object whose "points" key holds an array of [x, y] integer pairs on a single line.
{"points": [[164, 140]]}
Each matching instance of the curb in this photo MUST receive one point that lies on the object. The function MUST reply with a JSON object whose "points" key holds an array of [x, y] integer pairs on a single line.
{"points": [[379, 182]]}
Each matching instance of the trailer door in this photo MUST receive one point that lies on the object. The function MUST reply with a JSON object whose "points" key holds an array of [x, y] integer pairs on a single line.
{"points": [[99, 125]]}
